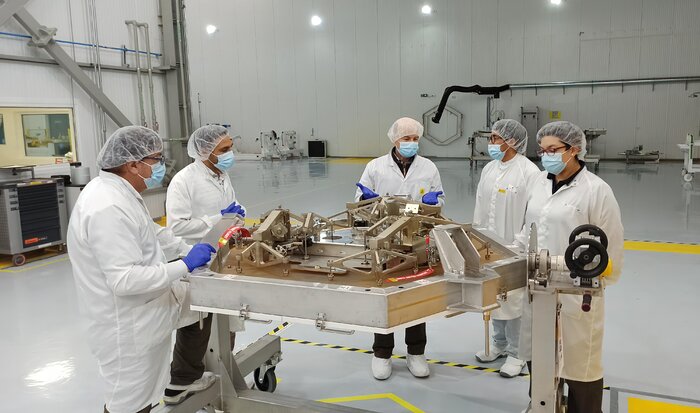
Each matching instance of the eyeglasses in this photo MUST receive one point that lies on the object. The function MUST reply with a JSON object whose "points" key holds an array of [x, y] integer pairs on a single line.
{"points": [[496, 139], [159, 159], [549, 151]]}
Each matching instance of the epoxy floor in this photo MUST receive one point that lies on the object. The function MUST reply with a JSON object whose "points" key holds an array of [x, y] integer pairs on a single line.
{"points": [[651, 319]]}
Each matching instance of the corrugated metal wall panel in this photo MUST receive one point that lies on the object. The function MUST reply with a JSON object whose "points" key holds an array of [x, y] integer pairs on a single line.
{"points": [[369, 61]]}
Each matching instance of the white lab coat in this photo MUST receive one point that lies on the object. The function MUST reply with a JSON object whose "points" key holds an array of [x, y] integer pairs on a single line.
{"points": [[384, 177], [129, 293], [501, 199], [196, 196], [587, 200]]}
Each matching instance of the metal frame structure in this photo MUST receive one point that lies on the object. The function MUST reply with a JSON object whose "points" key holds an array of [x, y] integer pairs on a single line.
{"points": [[689, 149], [43, 37], [478, 269]]}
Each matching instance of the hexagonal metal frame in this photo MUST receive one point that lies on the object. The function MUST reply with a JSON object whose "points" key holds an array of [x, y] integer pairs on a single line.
{"points": [[427, 116]]}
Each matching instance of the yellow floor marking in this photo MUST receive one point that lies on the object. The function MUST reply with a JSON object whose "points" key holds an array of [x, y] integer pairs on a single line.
{"points": [[32, 267], [662, 247], [352, 161], [635, 405], [396, 399]]}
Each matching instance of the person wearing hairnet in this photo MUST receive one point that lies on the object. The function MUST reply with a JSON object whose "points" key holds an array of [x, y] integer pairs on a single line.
{"points": [[402, 172], [201, 193], [501, 198], [561, 198], [130, 294]]}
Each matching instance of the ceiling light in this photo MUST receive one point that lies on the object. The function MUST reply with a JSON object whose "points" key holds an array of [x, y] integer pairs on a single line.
{"points": [[316, 21], [426, 9], [555, 2], [211, 29]]}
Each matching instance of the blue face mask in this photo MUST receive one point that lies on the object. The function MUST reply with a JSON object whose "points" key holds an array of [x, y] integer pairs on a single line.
{"points": [[495, 152], [553, 163], [157, 175], [225, 162], [408, 149]]}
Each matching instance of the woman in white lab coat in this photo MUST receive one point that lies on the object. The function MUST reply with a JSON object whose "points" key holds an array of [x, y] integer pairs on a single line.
{"points": [[563, 197], [501, 198], [127, 290], [202, 192], [402, 172]]}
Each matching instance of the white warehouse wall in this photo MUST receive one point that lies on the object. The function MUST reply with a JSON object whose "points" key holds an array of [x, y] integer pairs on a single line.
{"points": [[368, 62], [33, 85]]}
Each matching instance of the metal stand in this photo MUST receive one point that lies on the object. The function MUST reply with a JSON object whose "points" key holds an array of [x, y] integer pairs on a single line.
{"points": [[230, 393], [689, 148]]}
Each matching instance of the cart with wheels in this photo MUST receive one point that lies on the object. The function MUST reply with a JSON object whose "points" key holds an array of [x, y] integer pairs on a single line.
{"points": [[689, 149]]}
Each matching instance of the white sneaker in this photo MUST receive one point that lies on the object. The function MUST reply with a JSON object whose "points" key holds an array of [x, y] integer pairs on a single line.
{"points": [[175, 394], [418, 365], [381, 368], [512, 367], [494, 354]]}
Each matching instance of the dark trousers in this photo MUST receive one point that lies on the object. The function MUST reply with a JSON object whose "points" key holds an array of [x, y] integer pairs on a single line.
{"points": [[415, 341], [191, 344], [583, 396]]}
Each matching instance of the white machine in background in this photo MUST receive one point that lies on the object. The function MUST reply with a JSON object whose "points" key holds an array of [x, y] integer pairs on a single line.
{"points": [[591, 135], [283, 146], [689, 150]]}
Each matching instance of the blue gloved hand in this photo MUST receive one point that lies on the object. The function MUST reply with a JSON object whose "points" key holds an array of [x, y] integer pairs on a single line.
{"points": [[431, 198], [366, 192], [199, 255], [234, 208]]}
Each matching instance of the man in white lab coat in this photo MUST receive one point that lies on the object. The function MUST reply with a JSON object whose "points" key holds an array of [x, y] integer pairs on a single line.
{"points": [[130, 294], [201, 193], [501, 199], [561, 198], [402, 172], [198, 196]]}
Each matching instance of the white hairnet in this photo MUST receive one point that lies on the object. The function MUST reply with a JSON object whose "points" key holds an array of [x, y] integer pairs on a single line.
{"points": [[513, 133], [569, 133], [404, 127], [204, 140], [128, 144]]}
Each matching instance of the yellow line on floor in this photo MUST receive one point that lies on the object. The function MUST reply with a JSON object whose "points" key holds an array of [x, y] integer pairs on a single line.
{"points": [[635, 405], [353, 161], [32, 267], [396, 399], [667, 247]]}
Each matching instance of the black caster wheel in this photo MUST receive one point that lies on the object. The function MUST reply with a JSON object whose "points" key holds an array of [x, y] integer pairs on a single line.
{"points": [[268, 382], [19, 260]]}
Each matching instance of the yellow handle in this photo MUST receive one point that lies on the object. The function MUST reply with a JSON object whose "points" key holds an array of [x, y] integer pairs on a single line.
{"points": [[608, 269]]}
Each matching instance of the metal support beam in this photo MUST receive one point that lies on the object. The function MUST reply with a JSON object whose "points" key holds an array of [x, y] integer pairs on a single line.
{"points": [[178, 116], [9, 8], [42, 37]]}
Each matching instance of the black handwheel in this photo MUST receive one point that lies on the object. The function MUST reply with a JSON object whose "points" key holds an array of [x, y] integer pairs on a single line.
{"points": [[268, 382], [591, 230], [589, 250]]}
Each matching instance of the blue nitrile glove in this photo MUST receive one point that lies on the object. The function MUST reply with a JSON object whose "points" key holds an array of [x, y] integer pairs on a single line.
{"points": [[234, 208], [431, 198], [199, 255], [366, 192]]}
